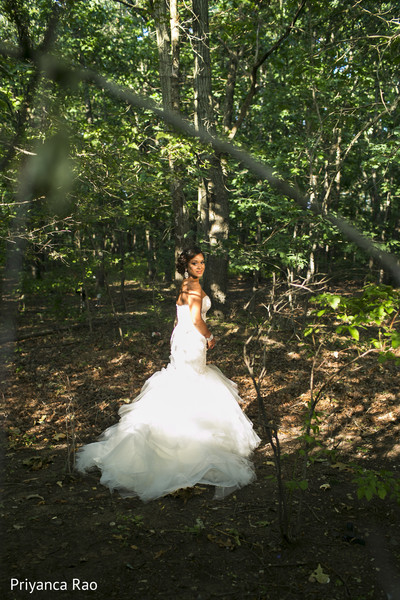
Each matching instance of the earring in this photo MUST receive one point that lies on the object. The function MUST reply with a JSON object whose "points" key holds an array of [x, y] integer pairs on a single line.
{"points": [[186, 274]]}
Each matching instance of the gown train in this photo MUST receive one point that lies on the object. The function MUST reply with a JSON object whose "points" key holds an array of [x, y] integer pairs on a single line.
{"points": [[184, 428]]}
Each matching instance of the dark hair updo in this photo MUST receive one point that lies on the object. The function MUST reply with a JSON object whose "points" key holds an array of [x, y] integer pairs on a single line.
{"points": [[185, 257]]}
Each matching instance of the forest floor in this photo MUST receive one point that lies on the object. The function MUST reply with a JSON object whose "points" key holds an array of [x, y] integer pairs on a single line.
{"points": [[66, 384]]}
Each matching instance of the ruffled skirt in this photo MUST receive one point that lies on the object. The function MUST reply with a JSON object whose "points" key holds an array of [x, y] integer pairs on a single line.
{"points": [[184, 428]]}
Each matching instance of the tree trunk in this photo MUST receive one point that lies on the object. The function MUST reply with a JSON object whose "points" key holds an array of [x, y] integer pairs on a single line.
{"points": [[122, 251], [230, 92], [202, 211], [151, 256], [169, 65], [212, 192]]}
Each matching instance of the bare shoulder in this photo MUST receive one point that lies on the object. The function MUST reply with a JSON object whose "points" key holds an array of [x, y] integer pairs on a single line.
{"points": [[190, 290]]}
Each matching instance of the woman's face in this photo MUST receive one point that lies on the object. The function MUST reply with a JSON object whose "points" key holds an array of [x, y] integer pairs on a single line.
{"points": [[196, 266]]}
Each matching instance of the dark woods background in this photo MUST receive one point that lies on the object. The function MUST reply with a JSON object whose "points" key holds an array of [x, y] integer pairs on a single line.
{"points": [[94, 192]]}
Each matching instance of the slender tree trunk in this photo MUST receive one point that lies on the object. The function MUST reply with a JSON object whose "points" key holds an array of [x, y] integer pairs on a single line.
{"points": [[311, 270], [122, 250], [230, 89], [151, 256], [98, 253], [167, 30], [202, 211], [212, 193], [338, 160]]}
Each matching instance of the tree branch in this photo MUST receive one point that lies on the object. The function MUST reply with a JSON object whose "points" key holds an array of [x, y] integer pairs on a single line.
{"points": [[142, 12], [254, 73], [27, 51], [66, 75], [17, 13]]}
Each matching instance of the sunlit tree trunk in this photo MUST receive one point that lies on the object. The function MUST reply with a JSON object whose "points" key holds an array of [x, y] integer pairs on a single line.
{"points": [[167, 30], [151, 255], [213, 197]]}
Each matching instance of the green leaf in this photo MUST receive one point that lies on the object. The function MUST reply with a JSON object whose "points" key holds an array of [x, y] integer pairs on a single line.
{"points": [[382, 492], [369, 492], [395, 339], [333, 301], [354, 333]]}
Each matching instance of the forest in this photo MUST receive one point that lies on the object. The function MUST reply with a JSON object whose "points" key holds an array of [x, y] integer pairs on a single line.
{"points": [[268, 134]]}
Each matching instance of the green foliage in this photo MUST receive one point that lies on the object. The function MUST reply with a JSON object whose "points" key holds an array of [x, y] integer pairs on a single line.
{"points": [[317, 118], [382, 484], [370, 318], [368, 321], [197, 528]]}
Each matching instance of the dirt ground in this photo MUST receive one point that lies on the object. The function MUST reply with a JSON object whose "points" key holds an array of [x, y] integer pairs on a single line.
{"points": [[65, 385]]}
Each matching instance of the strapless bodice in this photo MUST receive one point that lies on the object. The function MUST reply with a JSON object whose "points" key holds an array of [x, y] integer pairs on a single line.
{"points": [[183, 311]]}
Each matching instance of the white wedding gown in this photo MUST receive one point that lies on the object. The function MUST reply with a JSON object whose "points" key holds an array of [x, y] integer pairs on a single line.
{"points": [[184, 428]]}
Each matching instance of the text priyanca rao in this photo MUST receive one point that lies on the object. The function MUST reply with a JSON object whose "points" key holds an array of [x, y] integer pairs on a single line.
{"points": [[75, 585]]}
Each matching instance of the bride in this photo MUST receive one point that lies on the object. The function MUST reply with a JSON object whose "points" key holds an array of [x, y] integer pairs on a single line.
{"points": [[186, 426]]}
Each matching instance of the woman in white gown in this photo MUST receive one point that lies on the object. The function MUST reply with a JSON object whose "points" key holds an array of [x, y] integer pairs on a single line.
{"points": [[186, 426]]}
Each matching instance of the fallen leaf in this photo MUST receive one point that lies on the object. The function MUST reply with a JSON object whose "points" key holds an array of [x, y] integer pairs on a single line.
{"points": [[341, 467], [319, 576]]}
